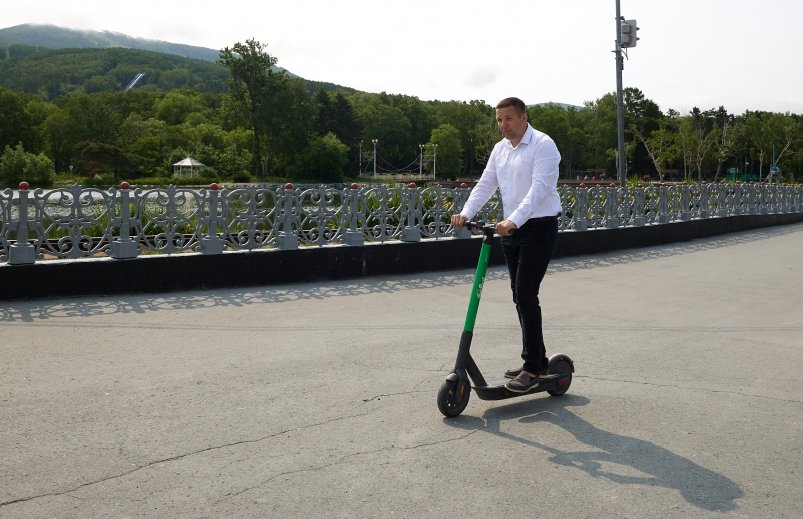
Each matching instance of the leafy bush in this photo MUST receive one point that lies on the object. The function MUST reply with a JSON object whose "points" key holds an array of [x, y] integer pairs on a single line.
{"points": [[323, 160], [17, 165]]}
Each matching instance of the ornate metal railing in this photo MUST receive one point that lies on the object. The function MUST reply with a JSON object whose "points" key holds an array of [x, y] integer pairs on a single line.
{"points": [[77, 222]]}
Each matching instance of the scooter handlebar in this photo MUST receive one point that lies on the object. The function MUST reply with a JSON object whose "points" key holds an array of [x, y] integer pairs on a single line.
{"points": [[487, 227]]}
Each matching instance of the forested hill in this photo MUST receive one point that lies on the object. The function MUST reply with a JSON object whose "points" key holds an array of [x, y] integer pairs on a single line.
{"points": [[53, 73], [35, 67], [54, 37]]}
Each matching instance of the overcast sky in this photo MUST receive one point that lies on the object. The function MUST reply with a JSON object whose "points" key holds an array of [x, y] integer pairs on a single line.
{"points": [[742, 54]]}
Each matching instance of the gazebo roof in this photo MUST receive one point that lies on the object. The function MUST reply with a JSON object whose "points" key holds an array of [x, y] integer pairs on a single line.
{"points": [[189, 161]]}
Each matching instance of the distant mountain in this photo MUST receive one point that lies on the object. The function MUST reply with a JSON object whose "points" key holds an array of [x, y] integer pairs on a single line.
{"points": [[54, 37], [52, 61], [565, 106]]}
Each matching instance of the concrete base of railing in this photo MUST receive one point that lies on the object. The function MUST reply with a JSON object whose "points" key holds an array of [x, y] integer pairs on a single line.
{"points": [[192, 271]]}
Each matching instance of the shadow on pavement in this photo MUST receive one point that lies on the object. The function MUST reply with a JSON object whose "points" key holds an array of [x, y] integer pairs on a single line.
{"points": [[656, 465]]}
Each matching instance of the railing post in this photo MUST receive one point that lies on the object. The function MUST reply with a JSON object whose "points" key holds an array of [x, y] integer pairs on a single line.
{"points": [[704, 200], [722, 196], [212, 243], [459, 199], [354, 235], [124, 247], [611, 209], [639, 202], [663, 203], [737, 199], [411, 231], [22, 252], [286, 238], [685, 205], [751, 198], [581, 208]]}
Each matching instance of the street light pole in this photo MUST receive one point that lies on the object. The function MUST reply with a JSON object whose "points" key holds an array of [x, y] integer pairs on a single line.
{"points": [[434, 159], [359, 160], [374, 141], [421, 161]]}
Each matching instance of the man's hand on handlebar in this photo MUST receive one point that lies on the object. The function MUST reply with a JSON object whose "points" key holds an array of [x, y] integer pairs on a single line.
{"points": [[459, 221], [505, 228]]}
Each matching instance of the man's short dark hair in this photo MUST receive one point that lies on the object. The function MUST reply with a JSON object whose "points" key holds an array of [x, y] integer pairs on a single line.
{"points": [[515, 102]]}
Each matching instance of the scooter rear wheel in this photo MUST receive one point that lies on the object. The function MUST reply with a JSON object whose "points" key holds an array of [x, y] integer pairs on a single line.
{"points": [[562, 367], [453, 398]]}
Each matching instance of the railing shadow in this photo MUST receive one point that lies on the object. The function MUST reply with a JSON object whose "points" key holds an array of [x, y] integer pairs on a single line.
{"points": [[657, 466], [36, 310]]}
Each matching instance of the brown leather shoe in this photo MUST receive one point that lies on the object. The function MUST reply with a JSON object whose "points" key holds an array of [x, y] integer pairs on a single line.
{"points": [[523, 382], [513, 373]]}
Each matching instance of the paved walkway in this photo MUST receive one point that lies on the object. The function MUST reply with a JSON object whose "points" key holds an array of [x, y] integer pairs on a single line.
{"points": [[319, 400]]}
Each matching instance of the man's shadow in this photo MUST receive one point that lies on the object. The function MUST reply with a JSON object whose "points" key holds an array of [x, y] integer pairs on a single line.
{"points": [[699, 486]]}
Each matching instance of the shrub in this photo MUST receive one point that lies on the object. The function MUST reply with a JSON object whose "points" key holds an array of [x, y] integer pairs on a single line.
{"points": [[17, 165]]}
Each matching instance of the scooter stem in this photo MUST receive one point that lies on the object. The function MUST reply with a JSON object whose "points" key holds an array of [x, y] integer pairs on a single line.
{"points": [[479, 278]]}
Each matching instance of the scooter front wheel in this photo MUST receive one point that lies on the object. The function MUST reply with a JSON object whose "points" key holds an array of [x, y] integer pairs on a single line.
{"points": [[453, 397], [562, 367]]}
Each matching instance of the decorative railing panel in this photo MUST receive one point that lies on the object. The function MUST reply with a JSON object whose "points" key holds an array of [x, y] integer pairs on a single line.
{"points": [[75, 222]]}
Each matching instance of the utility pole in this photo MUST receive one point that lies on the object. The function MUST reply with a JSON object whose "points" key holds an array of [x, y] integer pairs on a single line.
{"points": [[625, 38]]}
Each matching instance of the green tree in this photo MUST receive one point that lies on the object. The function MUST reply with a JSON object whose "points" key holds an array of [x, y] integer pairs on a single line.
{"points": [[250, 68], [725, 138], [176, 106], [288, 114], [785, 131], [696, 140], [95, 158], [323, 160], [17, 165], [599, 119], [469, 118], [334, 113], [661, 146], [380, 120], [148, 139], [449, 152], [15, 121]]}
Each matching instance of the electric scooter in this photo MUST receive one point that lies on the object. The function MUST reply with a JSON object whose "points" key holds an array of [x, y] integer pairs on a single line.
{"points": [[454, 393]]}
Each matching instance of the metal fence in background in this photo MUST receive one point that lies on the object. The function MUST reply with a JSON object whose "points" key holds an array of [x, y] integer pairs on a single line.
{"points": [[77, 222]]}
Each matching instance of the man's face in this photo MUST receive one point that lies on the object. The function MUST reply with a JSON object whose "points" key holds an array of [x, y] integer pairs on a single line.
{"points": [[511, 123]]}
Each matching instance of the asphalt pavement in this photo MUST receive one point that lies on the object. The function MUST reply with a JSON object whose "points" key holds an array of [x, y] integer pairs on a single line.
{"points": [[318, 400]]}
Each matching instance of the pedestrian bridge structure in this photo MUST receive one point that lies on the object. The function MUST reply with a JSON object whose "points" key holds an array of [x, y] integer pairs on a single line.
{"points": [[72, 240]]}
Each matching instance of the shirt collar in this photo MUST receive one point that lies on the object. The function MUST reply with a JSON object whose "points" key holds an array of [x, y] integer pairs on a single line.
{"points": [[525, 139]]}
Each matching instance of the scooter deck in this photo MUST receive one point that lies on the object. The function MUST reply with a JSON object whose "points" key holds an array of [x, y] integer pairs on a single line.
{"points": [[497, 390]]}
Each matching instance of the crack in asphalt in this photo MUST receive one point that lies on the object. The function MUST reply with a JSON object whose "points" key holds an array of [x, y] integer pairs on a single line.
{"points": [[342, 461], [379, 397], [174, 458]]}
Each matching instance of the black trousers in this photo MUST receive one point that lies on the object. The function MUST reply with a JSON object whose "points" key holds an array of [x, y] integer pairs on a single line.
{"points": [[527, 254]]}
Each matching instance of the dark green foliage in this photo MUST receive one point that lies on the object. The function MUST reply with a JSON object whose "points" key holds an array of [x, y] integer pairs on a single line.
{"points": [[322, 161], [53, 73], [247, 119], [17, 165], [15, 121]]}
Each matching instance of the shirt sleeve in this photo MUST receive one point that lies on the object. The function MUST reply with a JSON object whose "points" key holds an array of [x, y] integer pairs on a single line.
{"points": [[544, 182], [483, 190]]}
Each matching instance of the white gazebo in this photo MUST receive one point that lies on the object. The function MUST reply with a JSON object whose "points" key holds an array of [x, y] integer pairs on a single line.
{"points": [[187, 168]]}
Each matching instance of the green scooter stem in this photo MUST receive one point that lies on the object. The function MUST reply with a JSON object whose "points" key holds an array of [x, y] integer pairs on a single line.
{"points": [[479, 278]]}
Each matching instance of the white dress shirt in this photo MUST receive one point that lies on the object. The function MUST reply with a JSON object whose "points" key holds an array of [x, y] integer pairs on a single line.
{"points": [[526, 176]]}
